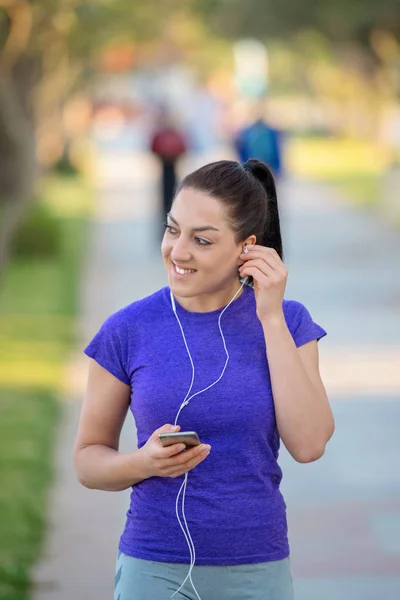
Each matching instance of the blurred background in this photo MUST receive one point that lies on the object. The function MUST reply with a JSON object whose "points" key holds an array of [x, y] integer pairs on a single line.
{"points": [[103, 107]]}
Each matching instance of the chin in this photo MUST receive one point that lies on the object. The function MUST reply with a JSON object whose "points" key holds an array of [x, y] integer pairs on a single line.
{"points": [[186, 289], [183, 290]]}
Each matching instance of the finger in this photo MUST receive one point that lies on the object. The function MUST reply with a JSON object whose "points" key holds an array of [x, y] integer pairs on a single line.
{"points": [[170, 451], [276, 264], [270, 258], [256, 274], [188, 456], [199, 458], [260, 264], [266, 270], [175, 472], [193, 454], [267, 261], [167, 428], [262, 251], [257, 247]]}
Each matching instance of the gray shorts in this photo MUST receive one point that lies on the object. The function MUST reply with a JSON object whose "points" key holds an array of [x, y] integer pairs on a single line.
{"points": [[138, 579]]}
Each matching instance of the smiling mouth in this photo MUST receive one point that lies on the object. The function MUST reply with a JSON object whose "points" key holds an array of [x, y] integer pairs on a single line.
{"points": [[180, 271]]}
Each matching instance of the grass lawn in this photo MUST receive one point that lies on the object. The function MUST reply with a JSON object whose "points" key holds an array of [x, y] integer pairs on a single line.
{"points": [[38, 302], [354, 167], [364, 190]]}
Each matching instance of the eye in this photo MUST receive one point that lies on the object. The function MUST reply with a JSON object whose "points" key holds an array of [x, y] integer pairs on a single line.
{"points": [[170, 229], [202, 242]]}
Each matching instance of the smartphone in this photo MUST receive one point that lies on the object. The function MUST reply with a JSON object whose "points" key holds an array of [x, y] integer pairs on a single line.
{"points": [[189, 438]]}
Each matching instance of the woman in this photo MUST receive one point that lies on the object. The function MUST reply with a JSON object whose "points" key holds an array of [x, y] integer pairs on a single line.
{"points": [[236, 363]]}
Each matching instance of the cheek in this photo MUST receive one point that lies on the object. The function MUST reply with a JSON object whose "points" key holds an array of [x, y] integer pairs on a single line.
{"points": [[221, 263], [165, 248], [229, 258]]}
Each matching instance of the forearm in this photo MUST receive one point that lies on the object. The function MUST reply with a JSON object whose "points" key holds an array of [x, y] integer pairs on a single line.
{"points": [[303, 415], [103, 468]]}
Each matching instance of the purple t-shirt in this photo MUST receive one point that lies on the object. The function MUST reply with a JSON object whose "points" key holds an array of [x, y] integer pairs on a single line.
{"points": [[235, 511]]}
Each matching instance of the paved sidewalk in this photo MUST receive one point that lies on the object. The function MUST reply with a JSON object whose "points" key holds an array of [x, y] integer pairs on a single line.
{"points": [[344, 510]]}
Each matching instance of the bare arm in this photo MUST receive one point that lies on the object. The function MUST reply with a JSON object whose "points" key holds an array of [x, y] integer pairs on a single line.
{"points": [[98, 463], [304, 417]]}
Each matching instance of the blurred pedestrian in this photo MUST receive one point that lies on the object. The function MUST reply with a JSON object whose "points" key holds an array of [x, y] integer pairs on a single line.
{"points": [[261, 141], [166, 358], [168, 143]]}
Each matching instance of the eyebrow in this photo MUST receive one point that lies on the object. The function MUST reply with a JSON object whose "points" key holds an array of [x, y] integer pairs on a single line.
{"points": [[205, 228]]}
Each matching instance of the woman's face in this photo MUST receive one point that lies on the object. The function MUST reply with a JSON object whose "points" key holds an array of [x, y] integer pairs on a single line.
{"points": [[199, 248]]}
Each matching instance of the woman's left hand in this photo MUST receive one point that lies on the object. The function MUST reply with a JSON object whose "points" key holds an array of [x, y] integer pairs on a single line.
{"points": [[270, 275]]}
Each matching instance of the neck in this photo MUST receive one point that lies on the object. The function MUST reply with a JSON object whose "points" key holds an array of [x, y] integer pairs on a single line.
{"points": [[209, 302]]}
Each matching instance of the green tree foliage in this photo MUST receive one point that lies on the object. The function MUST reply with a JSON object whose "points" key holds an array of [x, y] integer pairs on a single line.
{"points": [[339, 20], [46, 48]]}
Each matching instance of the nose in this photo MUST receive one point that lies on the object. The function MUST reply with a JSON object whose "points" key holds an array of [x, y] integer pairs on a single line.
{"points": [[180, 250]]}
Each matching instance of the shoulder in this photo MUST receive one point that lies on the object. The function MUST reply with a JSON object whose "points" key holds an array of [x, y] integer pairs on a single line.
{"points": [[121, 329], [143, 309], [296, 314], [271, 129], [300, 323], [245, 131], [292, 309]]}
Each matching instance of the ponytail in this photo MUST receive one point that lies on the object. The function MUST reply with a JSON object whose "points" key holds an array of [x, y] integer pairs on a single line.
{"points": [[271, 235]]}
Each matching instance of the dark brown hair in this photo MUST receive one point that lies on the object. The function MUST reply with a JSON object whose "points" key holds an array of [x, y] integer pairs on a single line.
{"points": [[248, 192]]}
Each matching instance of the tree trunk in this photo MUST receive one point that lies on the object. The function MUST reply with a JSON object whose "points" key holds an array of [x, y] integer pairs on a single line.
{"points": [[17, 156]]}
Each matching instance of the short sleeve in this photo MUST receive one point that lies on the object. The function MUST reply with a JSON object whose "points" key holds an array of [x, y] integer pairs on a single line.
{"points": [[301, 325], [109, 348]]}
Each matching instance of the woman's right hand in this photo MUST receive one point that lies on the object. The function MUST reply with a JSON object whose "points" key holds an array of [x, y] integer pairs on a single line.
{"points": [[171, 461]]}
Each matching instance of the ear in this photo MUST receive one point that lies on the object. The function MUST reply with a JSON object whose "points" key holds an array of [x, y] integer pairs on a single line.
{"points": [[250, 241]]}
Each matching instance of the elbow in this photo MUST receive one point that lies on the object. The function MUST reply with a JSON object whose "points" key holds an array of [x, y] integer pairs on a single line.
{"points": [[308, 455], [80, 472], [81, 478], [313, 451], [84, 481]]}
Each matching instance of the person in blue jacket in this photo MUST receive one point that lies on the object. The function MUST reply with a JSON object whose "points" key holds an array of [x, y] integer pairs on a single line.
{"points": [[261, 141]]}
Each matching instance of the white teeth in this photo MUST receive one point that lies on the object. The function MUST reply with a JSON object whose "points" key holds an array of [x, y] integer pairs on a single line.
{"points": [[183, 271]]}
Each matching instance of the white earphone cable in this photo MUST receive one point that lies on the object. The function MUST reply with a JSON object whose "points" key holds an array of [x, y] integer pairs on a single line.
{"points": [[185, 402]]}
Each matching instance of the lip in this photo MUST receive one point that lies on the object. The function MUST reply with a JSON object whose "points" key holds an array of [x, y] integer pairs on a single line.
{"points": [[179, 275]]}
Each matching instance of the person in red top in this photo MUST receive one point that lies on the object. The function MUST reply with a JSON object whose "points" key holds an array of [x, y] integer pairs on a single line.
{"points": [[168, 144]]}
